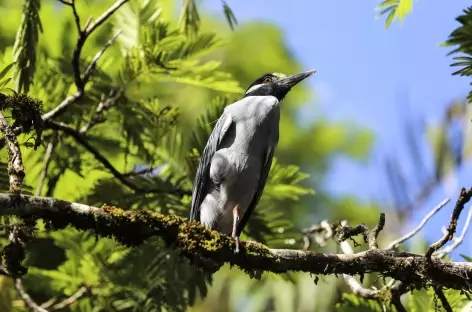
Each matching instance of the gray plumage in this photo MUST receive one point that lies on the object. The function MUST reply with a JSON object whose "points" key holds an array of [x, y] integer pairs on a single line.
{"points": [[238, 155]]}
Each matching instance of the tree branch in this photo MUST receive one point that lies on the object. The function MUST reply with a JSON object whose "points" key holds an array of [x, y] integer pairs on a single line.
{"points": [[82, 140], [16, 170], [68, 301], [440, 294], [457, 241], [105, 104], [93, 64], [397, 242], [49, 305], [193, 240], [47, 160], [79, 81], [464, 198], [374, 233], [29, 302], [82, 37]]}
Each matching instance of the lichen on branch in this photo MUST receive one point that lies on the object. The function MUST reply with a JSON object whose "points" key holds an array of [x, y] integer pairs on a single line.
{"points": [[192, 240]]}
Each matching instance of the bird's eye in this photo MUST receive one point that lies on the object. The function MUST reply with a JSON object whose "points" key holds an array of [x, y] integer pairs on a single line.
{"points": [[267, 79]]}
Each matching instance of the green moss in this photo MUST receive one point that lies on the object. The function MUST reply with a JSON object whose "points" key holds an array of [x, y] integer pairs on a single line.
{"points": [[12, 256], [26, 112]]}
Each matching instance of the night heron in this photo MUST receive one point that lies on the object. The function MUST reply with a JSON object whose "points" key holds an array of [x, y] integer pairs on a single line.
{"points": [[236, 160]]}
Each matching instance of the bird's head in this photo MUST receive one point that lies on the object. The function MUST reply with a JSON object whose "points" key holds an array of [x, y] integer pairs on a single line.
{"points": [[275, 84]]}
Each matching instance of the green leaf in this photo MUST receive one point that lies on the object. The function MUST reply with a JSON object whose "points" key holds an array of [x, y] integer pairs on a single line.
{"points": [[395, 9], [404, 8], [467, 258], [6, 70], [230, 17], [460, 38], [26, 41]]}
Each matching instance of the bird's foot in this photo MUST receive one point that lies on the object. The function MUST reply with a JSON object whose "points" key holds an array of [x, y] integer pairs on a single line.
{"points": [[236, 242]]}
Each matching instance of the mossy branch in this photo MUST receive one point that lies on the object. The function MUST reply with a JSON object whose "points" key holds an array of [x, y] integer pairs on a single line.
{"points": [[132, 228]]}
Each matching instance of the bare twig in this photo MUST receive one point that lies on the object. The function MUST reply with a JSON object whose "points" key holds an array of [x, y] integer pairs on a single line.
{"points": [[374, 233], [68, 301], [102, 18], [15, 161], [71, 3], [29, 302], [59, 109], [97, 56], [463, 199], [457, 241], [397, 242], [49, 305], [82, 140], [105, 104], [47, 160], [323, 232]]}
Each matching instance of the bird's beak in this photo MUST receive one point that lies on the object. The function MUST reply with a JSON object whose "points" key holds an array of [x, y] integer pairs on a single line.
{"points": [[291, 81]]}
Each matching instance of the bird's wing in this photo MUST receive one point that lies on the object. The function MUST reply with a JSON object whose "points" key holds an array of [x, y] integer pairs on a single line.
{"points": [[203, 172], [260, 188]]}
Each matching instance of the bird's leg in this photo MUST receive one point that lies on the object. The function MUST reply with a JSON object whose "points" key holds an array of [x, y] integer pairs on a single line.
{"points": [[236, 211]]}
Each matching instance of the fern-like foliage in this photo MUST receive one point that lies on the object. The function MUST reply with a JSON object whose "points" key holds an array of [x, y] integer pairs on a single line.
{"points": [[26, 42], [133, 113], [147, 278], [460, 37], [4, 80]]}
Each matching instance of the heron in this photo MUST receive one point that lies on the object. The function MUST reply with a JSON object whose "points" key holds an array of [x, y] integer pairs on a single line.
{"points": [[237, 158]]}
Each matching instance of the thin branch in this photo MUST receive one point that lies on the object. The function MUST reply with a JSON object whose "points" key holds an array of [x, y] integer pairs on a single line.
{"points": [[397, 303], [74, 12], [102, 18], [82, 37], [79, 81], [49, 305], [105, 104], [463, 199], [15, 161], [397, 242], [322, 233], [29, 302], [445, 304], [82, 140], [191, 239], [59, 109], [47, 160], [68, 301], [374, 233], [355, 286], [93, 64], [457, 241]]}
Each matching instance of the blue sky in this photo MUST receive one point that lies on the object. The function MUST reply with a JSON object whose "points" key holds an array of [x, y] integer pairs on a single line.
{"points": [[365, 71]]}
